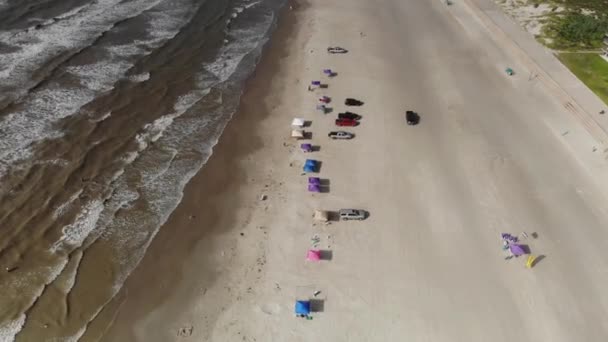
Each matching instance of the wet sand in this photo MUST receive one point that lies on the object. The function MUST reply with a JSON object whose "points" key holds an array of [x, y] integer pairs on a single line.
{"points": [[179, 265]]}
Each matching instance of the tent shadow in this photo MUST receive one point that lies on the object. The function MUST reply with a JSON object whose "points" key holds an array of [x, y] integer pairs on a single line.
{"points": [[333, 216], [326, 255], [317, 305], [307, 135], [316, 148], [323, 85]]}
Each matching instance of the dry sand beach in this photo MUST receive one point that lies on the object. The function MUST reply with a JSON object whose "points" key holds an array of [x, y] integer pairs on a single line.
{"points": [[491, 154]]}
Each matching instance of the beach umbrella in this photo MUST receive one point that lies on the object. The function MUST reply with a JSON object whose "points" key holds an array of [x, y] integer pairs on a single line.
{"points": [[302, 307], [314, 188], [306, 147], [313, 255], [518, 250], [314, 180]]}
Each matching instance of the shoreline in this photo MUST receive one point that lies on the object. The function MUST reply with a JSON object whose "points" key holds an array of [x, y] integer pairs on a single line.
{"points": [[202, 213]]}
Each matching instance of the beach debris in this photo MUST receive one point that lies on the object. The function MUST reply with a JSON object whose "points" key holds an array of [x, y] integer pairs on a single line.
{"points": [[263, 197], [565, 133], [185, 331], [242, 234], [316, 293]]}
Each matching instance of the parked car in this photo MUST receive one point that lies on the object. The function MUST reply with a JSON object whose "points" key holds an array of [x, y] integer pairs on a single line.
{"points": [[352, 214], [412, 117], [346, 122], [349, 115], [340, 135]]}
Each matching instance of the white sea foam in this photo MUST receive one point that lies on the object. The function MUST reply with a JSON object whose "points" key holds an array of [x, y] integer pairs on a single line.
{"points": [[66, 206], [51, 103], [75, 233], [10, 329], [140, 77]]}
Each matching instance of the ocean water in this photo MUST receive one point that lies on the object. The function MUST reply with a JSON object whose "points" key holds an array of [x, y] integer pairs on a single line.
{"points": [[107, 109]]}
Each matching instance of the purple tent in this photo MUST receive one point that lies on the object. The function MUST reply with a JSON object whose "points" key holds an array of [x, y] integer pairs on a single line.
{"points": [[314, 188], [315, 83], [306, 147], [314, 180], [518, 250], [327, 72]]}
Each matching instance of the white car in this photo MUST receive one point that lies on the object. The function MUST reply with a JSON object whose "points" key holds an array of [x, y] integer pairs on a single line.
{"points": [[340, 135], [352, 214]]}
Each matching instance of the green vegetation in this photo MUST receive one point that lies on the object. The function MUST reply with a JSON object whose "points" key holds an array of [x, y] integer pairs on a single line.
{"points": [[589, 68], [577, 31]]}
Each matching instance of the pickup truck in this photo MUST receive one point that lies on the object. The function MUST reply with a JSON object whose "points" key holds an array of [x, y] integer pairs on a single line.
{"points": [[340, 135], [349, 115]]}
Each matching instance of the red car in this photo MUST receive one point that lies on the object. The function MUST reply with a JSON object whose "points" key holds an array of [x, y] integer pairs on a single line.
{"points": [[346, 122]]}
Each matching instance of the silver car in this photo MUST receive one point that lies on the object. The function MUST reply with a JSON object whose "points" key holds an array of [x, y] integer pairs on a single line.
{"points": [[352, 214], [340, 135]]}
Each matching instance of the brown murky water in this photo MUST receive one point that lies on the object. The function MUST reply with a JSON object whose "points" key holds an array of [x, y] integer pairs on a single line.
{"points": [[107, 109]]}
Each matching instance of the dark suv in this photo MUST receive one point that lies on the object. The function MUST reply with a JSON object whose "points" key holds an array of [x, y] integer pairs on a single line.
{"points": [[412, 117]]}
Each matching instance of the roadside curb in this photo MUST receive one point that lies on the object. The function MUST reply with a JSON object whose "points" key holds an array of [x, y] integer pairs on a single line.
{"points": [[503, 39]]}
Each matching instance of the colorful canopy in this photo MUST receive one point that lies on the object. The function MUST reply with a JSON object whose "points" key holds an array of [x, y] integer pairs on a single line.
{"points": [[309, 168], [314, 188], [302, 307], [306, 147], [313, 255], [518, 250], [314, 180]]}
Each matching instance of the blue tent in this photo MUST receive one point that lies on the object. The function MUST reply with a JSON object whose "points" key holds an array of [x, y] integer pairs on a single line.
{"points": [[309, 168], [310, 165], [302, 307]]}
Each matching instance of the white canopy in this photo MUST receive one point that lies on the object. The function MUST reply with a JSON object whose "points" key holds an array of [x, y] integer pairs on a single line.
{"points": [[321, 215], [297, 133], [298, 122]]}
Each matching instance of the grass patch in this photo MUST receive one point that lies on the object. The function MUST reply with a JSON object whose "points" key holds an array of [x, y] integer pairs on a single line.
{"points": [[589, 68]]}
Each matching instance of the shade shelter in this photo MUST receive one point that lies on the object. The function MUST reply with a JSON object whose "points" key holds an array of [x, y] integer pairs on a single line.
{"points": [[313, 255], [517, 249], [314, 180], [297, 134], [302, 307], [298, 122], [321, 215], [314, 188], [306, 147]]}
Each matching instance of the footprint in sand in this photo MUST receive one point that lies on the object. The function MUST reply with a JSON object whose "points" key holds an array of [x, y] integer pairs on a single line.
{"points": [[270, 309]]}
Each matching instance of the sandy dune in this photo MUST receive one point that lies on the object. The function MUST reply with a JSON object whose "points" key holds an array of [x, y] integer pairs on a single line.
{"points": [[491, 154]]}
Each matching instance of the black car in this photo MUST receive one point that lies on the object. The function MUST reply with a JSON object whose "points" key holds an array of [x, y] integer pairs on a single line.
{"points": [[349, 115], [412, 117]]}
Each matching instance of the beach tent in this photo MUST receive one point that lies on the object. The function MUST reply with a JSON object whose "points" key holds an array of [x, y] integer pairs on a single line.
{"points": [[314, 180], [297, 133], [324, 99], [518, 250], [306, 147], [313, 255], [302, 307], [321, 215], [298, 122], [309, 168], [314, 188], [315, 83]]}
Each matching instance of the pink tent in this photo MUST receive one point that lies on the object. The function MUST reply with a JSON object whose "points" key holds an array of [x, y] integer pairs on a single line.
{"points": [[313, 255]]}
